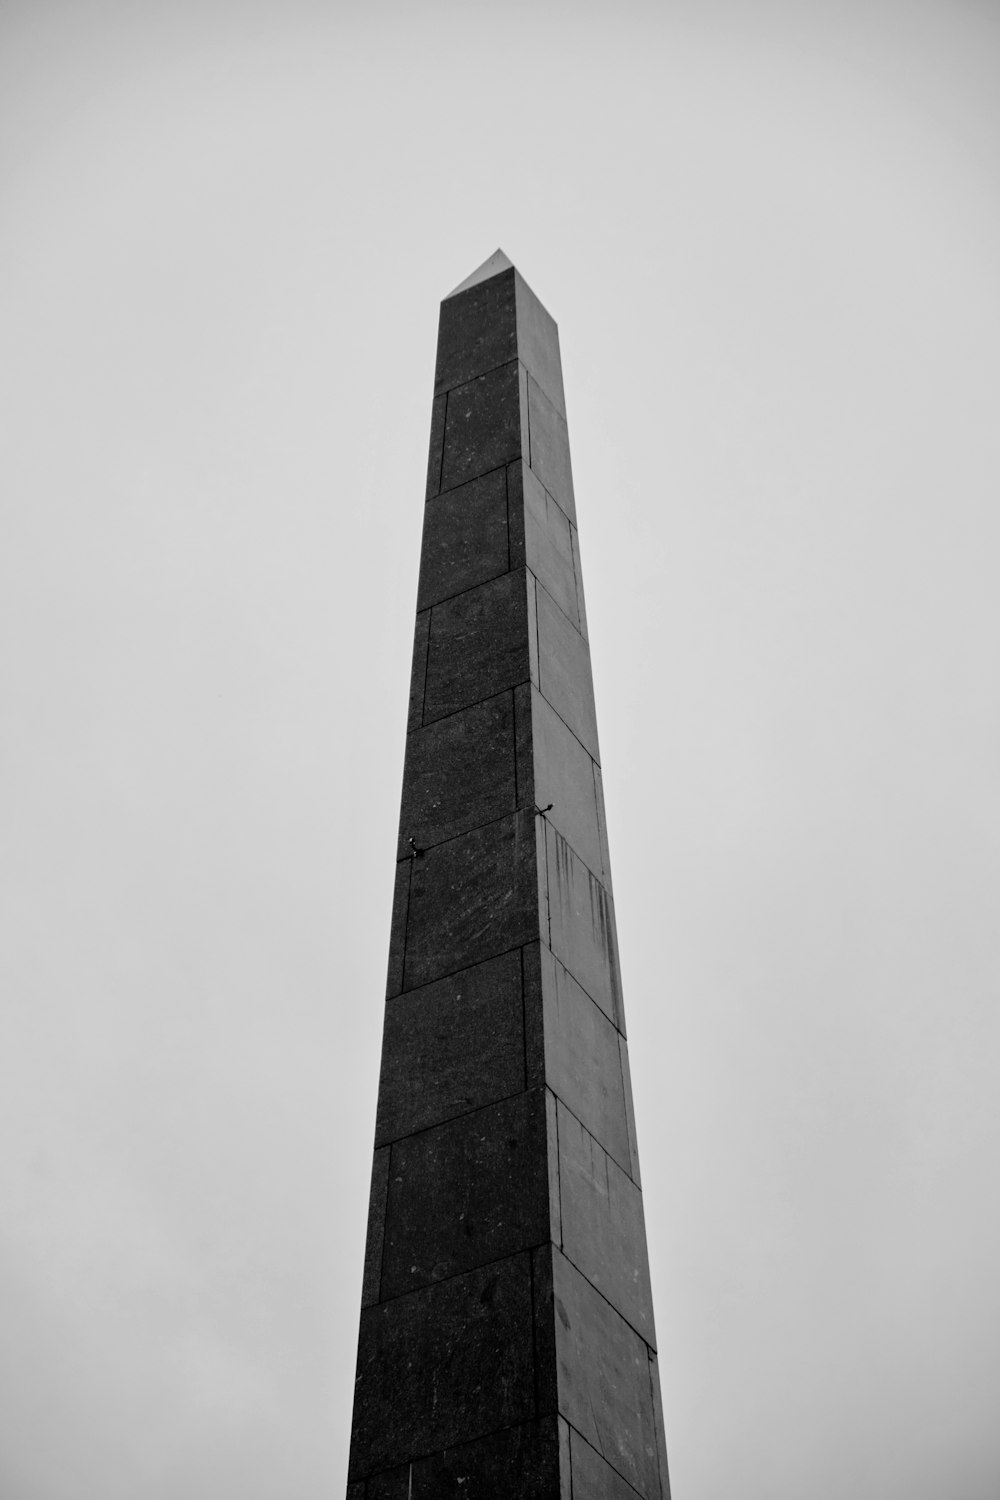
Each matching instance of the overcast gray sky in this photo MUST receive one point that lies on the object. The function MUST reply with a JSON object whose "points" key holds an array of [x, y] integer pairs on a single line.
{"points": [[770, 234]]}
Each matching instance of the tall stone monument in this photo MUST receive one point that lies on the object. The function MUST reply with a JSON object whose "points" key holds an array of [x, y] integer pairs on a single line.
{"points": [[507, 1347]]}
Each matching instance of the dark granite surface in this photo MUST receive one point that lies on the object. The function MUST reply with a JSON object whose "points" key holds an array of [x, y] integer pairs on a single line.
{"points": [[451, 1047], [418, 669], [397, 933], [524, 746], [459, 773], [466, 1193], [478, 645], [504, 1123], [435, 450], [478, 330], [603, 1231], [534, 1030], [465, 538], [469, 1340], [482, 427], [376, 1227], [519, 1463], [546, 1354], [472, 898], [605, 1390]]}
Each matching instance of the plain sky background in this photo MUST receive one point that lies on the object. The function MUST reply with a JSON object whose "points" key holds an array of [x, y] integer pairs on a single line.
{"points": [[770, 234]]}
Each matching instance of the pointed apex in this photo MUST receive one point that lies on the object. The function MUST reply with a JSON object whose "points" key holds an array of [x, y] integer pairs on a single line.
{"points": [[496, 263]]}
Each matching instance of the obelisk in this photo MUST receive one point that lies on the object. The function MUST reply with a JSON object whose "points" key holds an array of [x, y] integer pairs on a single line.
{"points": [[507, 1347]]}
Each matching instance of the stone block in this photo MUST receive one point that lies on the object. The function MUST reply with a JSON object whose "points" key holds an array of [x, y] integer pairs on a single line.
{"points": [[478, 645], [518, 1463], [633, 1145], [582, 1060], [523, 746], [436, 449], [515, 512], [604, 1381], [477, 331], [552, 1138], [459, 772], [603, 826], [543, 1304], [548, 448], [564, 777], [472, 898], [451, 1047], [466, 1193], [578, 570], [581, 925], [661, 1440], [603, 1230], [482, 425], [465, 538], [538, 344], [418, 670], [593, 1479], [548, 545], [564, 674], [397, 932], [534, 1029], [443, 1366], [376, 1228]]}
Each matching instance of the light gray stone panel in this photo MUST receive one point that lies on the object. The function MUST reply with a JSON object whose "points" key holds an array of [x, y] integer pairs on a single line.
{"points": [[538, 344], [582, 1064], [603, 1375], [549, 448], [603, 1230], [548, 547], [661, 1441], [593, 1479], [564, 777], [633, 1146], [564, 673], [581, 925]]}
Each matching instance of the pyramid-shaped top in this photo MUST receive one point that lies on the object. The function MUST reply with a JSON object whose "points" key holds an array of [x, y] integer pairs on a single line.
{"points": [[492, 266]]}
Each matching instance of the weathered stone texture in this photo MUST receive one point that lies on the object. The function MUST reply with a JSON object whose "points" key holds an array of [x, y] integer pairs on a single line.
{"points": [[507, 1345], [451, 1047]]}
